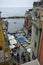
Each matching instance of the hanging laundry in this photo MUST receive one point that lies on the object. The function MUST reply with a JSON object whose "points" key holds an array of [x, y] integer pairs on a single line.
{"points": [[38, 14]]}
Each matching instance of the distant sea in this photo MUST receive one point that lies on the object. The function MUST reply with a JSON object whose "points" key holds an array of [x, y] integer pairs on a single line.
{"points": [[14, 11], [15, 24]]}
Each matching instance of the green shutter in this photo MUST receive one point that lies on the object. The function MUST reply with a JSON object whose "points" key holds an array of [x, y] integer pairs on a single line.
{"points": [[36, 31]]}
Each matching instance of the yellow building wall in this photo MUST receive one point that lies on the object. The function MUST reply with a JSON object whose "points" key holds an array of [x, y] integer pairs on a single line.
{"points": [[2, 40], [3, 44]]}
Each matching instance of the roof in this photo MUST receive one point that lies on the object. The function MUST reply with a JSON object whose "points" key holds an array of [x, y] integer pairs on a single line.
{"points": [[34, 62]]}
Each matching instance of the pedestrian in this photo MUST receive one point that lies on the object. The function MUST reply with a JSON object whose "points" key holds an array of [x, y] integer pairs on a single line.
{"points": [[28, 58], [18, 45], [23, 57], [18, 57]]}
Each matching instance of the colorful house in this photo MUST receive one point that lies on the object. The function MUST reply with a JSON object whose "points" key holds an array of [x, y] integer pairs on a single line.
{"points": [[37, 33]]}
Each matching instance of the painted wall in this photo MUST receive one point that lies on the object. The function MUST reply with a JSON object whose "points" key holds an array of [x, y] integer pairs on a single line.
{"points": [[40, 52], [34, 38]]}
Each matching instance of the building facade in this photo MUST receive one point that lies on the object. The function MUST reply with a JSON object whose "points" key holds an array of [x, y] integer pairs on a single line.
{"points": [[36, 29], [27, 25]]}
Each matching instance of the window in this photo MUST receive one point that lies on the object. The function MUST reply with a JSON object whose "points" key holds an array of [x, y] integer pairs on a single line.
{"points": [[35, 44], [0, 48], [36, 13], [36, 31]]}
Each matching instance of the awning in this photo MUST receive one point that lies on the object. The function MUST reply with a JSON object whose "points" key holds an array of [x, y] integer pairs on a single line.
{"points": [[25, 44], [21, 38], [11, 46], [13, 41], [16, 35], [29, 50], [10, 37]]}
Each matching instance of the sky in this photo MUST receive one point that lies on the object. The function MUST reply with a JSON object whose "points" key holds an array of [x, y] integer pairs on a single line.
{"points": [[15, 7], [16, 3]]}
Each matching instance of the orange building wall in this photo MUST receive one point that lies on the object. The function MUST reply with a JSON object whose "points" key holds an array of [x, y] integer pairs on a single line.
{"points": [[40, 52], [26, 22]]}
